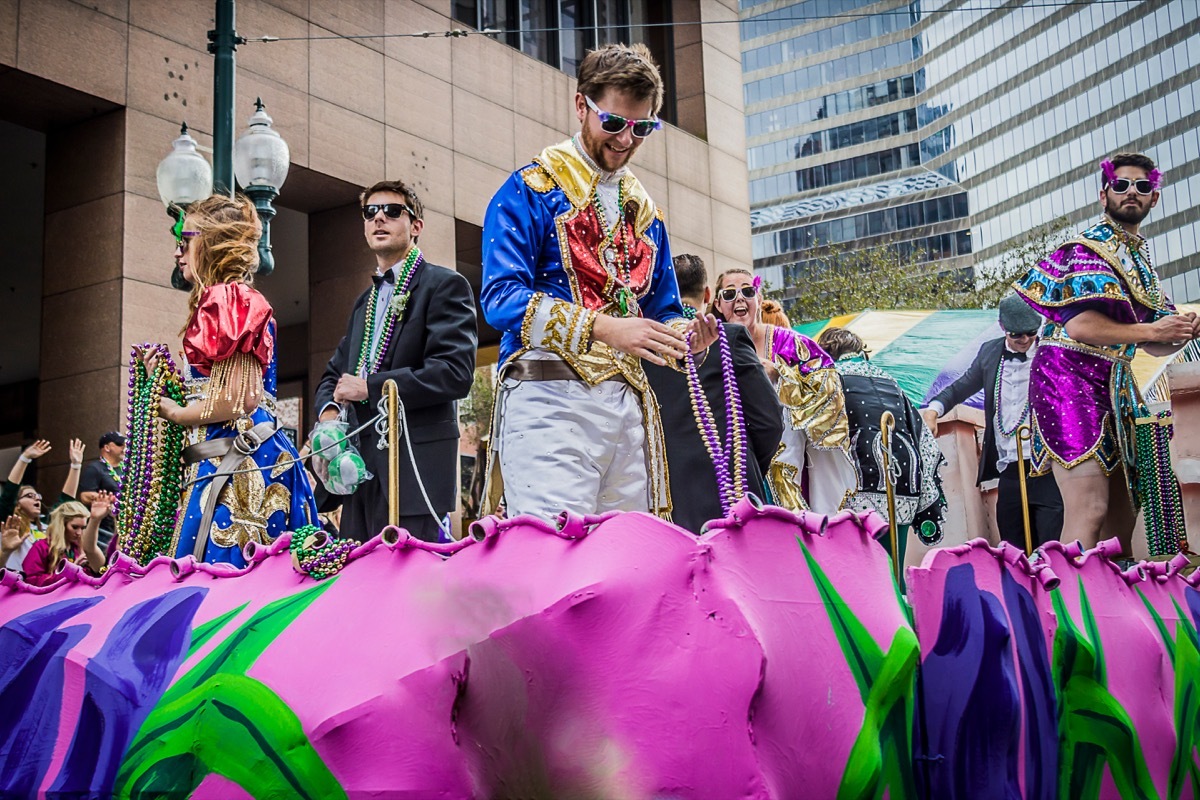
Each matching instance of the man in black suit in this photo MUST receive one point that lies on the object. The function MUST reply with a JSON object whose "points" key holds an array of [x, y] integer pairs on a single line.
{"points": [[695, 498], [1001, 370], [416, 325]]}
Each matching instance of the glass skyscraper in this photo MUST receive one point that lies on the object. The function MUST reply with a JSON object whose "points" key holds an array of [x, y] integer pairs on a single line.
{"points": [[955, 127]]}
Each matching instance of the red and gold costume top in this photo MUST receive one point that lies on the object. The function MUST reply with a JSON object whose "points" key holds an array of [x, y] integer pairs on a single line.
{"points": [[553, 259]]}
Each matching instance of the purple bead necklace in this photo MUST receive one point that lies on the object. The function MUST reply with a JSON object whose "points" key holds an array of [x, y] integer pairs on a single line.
{"points": [[729, 458]]}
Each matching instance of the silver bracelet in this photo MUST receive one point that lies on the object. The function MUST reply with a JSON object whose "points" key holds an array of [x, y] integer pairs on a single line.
{"points": [[24, 459], [77, 466]]}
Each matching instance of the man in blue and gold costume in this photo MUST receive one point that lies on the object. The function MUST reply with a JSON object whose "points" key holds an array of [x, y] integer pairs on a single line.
{"points": [[577, 276]]}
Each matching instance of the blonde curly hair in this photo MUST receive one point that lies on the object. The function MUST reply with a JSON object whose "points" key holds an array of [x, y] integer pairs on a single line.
{"points": [[228, 230]]}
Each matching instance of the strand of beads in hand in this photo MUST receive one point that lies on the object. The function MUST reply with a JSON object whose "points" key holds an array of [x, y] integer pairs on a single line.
{"points": [[153, 463]]}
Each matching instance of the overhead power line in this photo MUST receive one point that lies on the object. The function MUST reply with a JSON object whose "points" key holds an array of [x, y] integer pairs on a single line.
{"points": [[457, 33]]}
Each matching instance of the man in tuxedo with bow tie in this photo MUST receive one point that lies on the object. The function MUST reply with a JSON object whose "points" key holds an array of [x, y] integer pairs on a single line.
{"points": [[416, 325], [1001, 370]]}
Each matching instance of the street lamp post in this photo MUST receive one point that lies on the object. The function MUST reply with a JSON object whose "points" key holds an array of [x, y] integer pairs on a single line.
{"points": [[261, 154]]}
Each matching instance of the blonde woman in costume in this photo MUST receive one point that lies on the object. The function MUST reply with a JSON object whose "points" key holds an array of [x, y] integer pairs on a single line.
{"points": [[229, 377], [814, 468]]}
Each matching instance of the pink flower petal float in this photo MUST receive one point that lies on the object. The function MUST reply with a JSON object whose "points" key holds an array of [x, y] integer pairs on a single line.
{"points": [[614, 657]]}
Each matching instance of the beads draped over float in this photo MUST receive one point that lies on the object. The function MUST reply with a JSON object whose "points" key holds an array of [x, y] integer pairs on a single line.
{"points": [[318, 554], [152, 467]]}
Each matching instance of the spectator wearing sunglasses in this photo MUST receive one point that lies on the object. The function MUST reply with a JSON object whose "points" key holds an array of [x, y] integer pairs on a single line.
{"points": [[22, 512], [415, 324], [1102, 299], [1001, 371], [577, 276], [815, 468]]}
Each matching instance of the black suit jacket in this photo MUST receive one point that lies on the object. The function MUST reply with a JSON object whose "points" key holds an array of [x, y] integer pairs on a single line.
{"points": [[980, 375], [431, 356], [694, 496]]}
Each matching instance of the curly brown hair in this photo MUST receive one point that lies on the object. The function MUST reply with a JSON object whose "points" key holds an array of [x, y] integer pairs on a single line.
{"points": [[228, 230], [624, 67], [838, 342]]}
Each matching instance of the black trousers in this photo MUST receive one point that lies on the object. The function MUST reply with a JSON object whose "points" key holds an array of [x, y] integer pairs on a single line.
{"points": [[364, 515], [1045, 508]]}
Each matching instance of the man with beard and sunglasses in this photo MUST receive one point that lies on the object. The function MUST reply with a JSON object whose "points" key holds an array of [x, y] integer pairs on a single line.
{"points": [[577, 276], [416, 325], [1102, 299]]}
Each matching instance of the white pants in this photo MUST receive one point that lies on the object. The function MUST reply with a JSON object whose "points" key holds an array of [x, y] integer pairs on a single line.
{"points": [[564, 445], [831, 475]]}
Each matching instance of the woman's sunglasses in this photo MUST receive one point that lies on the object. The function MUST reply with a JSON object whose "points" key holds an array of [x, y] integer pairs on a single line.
{"points": [[1122, 185], [729, 295], [390, 210], [614, 123], [184, 237]]}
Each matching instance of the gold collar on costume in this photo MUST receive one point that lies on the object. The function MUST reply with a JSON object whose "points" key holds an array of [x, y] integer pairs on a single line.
{"points": [[1142, 281], [563, 165]]}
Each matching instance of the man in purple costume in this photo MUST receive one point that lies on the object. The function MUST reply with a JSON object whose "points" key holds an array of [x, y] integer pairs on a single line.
{"points": [[1102, 299]]}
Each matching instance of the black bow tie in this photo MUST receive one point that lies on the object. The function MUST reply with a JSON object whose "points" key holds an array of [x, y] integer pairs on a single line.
{"points": [[1010, 355], [387, 277]]}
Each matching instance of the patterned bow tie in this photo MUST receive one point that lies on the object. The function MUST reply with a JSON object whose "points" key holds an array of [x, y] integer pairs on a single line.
{"points": [[1010, 355], [387, 277]]}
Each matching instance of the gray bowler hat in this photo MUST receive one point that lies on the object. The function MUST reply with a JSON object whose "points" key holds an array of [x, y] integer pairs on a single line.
{"points": [[1016, 316]]}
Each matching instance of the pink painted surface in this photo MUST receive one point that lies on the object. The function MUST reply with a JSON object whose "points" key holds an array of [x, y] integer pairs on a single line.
{"points": [[619, 657]]}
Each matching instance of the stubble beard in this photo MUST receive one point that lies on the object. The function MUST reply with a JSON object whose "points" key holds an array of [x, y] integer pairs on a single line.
{"points": [[594, 147]]}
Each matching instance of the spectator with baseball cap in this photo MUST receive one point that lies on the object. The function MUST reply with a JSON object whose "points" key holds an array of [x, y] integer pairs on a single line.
{"points": [[104, 475]]}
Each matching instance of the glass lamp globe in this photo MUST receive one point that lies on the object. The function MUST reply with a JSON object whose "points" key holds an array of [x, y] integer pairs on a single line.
{"points": [[261, 156], [184, 176]]}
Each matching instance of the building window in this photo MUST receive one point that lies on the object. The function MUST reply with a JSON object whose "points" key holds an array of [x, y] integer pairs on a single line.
{"points": [[872, 223], [560, 32]]}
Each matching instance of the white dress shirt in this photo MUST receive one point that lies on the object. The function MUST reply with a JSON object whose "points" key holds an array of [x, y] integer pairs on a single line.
{"points": [[1010, 405]]}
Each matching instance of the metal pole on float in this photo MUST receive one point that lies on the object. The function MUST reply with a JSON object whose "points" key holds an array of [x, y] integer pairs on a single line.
{"points": [[392, 399], [887, 425], [1024, 434]]}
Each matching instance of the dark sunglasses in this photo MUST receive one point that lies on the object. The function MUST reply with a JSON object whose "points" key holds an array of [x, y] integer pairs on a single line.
{"points": [[390, 210], [1122, 185], [1021, 335], [614, 123], [729, 295]]}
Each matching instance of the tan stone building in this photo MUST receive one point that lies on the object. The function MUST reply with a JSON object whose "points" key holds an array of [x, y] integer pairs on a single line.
{"points": [[92, 94]]}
